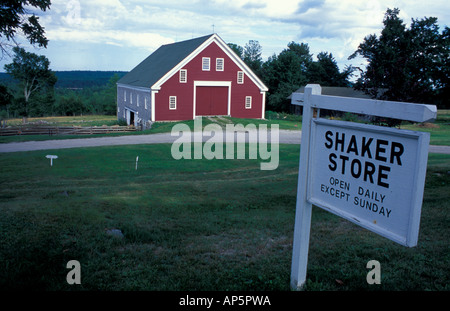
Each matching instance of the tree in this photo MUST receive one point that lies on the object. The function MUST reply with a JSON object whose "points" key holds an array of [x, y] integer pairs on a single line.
{"points": [[237, 49], [14, 17], [325, 71], [5, 101], [5, 96], [284, 73], [252, 56], [406, 64], [33, 73]]}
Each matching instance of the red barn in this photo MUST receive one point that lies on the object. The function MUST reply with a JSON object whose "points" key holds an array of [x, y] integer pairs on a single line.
{"points": [[183, 80]]}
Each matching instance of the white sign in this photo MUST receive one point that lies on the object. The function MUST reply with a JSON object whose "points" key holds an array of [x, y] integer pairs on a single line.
{"points": [[373, 176], [51, 157]]}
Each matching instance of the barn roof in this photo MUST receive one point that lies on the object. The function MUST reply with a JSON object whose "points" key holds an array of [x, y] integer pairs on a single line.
{"points": [[155, 66]]}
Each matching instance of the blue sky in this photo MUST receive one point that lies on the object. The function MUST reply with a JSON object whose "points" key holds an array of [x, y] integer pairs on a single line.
{"points": [[118, 34]]}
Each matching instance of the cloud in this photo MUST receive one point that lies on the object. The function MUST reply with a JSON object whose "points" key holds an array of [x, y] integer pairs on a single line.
{"points": [[141, 26], [101, 22], [306, 5]]}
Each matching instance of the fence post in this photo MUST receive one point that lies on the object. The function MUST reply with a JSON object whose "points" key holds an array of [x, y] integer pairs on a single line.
{"points": [[303, 207]]}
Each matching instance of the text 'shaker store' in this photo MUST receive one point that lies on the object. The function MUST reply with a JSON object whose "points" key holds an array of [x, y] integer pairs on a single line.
{"points": [[183, 80]]}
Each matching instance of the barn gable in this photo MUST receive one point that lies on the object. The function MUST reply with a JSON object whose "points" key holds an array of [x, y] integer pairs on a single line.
{"points": [[176, 87], [160, 62], [209, 39]]}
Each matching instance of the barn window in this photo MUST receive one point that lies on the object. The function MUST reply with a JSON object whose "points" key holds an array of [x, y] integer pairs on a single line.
{"points": [[145, 102], [219, 64], [248, 102], [240, 77], [183, 76], [172, 102], [137, 100], [206, 63], [124, 96], [131, 98]]}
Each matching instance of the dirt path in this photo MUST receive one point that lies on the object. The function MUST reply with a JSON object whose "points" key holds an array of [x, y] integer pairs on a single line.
{"points": [[285, 137]]}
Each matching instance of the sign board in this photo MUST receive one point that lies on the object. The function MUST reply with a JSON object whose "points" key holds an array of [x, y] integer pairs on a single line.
{"points": [[371, 175]]}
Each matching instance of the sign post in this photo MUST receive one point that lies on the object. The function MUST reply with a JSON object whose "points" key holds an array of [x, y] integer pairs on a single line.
{"points": [[51, 157], [370, 175]]}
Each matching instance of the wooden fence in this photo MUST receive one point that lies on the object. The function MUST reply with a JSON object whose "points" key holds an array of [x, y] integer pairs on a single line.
{"points": [[63, 130]]}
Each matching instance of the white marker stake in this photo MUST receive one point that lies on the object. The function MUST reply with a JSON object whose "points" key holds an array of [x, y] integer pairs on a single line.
{"points": [[51, 157], [137, 159]]}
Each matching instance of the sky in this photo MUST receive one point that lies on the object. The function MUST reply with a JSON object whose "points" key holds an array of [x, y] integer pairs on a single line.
{"points": [[118, 34]]}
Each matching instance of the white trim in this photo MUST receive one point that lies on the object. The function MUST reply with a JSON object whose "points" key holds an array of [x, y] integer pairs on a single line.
{"points": [[152, 103], [248, 99], [127, 112], [374, 107], [130, 109], [240, 81], [136, 88], [174, 98], [185, 75], [228, 51], [208, 59], [263, 105], [217, 64], [212, 83]]}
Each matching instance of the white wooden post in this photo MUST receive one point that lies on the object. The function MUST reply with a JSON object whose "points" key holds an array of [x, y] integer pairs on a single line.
{"points": [[303, 207]]}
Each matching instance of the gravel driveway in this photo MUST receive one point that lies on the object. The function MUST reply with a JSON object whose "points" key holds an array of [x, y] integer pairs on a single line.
{"points": [[285, 137]]}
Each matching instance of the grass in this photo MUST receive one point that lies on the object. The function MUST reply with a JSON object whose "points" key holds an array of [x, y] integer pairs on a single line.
{"points": [[284, 121], [439, 131], [194, 225], [87, 120]]}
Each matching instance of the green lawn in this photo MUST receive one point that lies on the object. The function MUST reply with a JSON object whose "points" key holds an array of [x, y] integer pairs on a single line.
{"points": [[194, 225], [87, 120], [287, 122]]}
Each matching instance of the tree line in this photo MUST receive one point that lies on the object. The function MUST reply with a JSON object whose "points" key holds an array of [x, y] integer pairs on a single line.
{"points": [[403, 64], [291, 69], [66, 93]]}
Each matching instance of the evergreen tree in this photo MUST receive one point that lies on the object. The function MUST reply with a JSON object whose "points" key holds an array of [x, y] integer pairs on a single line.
{"points": [[325, 71], [284, 73], [407, 64]]}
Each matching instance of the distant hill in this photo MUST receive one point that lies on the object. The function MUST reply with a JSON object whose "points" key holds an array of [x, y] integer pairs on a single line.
{"points": [[75, 79]]}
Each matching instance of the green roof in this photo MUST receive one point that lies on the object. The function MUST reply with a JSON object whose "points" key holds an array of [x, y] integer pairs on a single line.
{"points": [[160, 62]]}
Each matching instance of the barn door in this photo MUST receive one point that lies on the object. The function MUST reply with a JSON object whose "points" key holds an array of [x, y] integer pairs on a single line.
{"points": [[211, 101]]}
